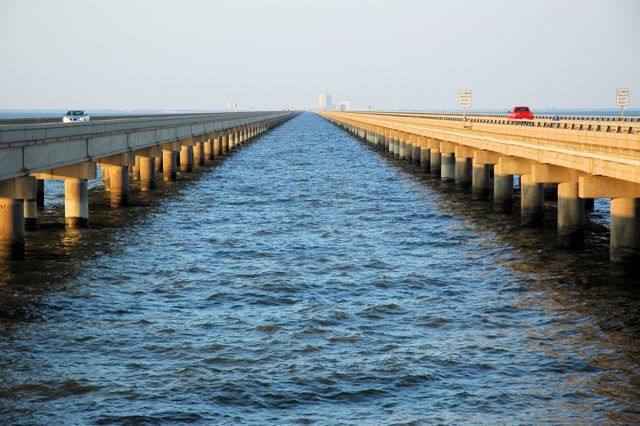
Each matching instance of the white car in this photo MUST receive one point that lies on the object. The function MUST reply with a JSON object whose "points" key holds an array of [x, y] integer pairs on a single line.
{"points": [[75, 116]]}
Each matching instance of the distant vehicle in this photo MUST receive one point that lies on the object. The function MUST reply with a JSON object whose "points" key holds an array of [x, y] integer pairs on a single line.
{"points": [[520, 113], [75, 116]]}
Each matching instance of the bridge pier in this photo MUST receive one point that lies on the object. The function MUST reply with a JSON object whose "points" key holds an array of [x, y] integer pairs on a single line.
{"points": [[435, 160], [502, 193], [30, 214], [415, 146], [447, 166], [119, 186], [225, 143], [570, 216], [481, 181], [425, 154], [76, 203], [11, 228], [402, 147], [531, 202], [147, 173], [624, 250], [186, 159], [169, 165], [13, 192], [198, 154]]}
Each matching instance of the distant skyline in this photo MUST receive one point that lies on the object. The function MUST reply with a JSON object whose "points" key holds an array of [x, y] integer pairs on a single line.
{"points": [[198, 54]]}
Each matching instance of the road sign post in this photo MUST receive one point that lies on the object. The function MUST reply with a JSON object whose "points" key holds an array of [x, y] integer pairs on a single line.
{"points": [[464, 102], [622, 99]]}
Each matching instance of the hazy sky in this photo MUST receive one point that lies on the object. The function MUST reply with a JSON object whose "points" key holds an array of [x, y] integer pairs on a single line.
{"points": [[188, 54]]}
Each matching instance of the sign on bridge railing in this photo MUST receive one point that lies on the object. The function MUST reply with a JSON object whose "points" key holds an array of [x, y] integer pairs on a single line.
{"points": [[464, 102], [622, 99]]}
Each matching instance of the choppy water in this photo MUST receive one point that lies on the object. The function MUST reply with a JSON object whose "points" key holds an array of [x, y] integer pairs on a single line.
{"points": [[306, 278]]}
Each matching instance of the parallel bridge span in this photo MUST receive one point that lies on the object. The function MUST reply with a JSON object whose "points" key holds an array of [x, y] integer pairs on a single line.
{"points": [[583, 157], [32, 153]]}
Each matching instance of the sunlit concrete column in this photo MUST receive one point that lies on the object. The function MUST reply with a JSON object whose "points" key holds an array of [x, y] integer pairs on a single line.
{"points": [[76, 203], [30, 214], [481, 181], [134, 171], [531, 202], [393, 146], [217, 146], [119, 192], [224, 144], [402, 146], [40, 192], [12, 194], [104, 175], [208, 150], [387, 140], [236, 139], [624, 247], [198, 154], [11, 229], [169, 165], [159, 163], [186, 158], [570, 216], [502, 193], [147, 173]]}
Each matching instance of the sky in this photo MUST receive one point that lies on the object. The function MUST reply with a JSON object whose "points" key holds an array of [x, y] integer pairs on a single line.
{"points": [[400, 54]]}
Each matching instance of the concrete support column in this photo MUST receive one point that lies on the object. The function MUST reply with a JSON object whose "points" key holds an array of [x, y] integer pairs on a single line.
{"points": [[531, 202], [463, 173], [387, 140], [147, 173], [11, 229], [134, 171], [198, 154], [208, 150], [570, 216], [447, 166], [435, 162], [624, 250], [40, 192], [425, 159], [236, 139], [104, 175], [30, 215], [393, 148], [186, 158], [217, 147], [402, 147], [224, 144], [415, 150], [159, 164], [169, 165], [481, 181], [76, 203], [119, 194], [503, 193]]}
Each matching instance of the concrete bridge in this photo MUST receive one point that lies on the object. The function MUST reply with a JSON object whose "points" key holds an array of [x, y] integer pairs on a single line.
{"points": [[144, 146], [573, 159]]}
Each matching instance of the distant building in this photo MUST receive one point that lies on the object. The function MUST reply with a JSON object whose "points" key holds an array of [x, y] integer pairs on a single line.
{"points": [[324, 101], [344, 106]]}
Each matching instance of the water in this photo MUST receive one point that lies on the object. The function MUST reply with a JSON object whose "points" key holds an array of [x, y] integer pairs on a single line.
{"points": [[308, 279]]}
